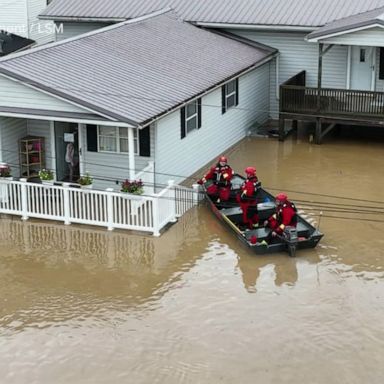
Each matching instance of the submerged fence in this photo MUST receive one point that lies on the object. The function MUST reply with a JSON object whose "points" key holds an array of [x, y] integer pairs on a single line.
{"points": [[149, 213]]}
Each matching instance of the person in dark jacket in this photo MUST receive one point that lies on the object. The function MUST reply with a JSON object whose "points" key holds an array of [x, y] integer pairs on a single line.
{"points": [[220, 175]]}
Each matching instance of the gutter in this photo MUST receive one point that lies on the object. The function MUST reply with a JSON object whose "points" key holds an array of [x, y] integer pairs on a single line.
{"points": [[283, 28]]}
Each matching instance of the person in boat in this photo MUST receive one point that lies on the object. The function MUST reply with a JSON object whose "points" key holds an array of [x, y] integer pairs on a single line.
{"points": [[285, 215], [220, 175], [247, 198]]}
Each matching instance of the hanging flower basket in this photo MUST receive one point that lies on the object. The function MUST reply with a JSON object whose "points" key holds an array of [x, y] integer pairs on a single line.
{"points": [[5, 172]]}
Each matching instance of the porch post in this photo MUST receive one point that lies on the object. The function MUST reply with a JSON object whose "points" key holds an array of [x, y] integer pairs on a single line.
{"points": [[131, 153], [53, 146], [1, 143], [81, 149], [319, 74]]}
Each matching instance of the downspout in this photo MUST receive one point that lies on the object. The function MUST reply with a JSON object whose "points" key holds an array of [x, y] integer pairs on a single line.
{"points": [[349, 63], [277, 77]]}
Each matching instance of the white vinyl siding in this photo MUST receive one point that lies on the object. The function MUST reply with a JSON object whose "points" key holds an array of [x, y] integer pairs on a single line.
{"points": [[297, 55], [41, 31], [11, 131], [178, 158], [15, 94], [67, 30]]}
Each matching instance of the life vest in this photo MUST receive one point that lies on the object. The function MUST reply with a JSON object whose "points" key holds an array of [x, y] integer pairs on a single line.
{"points": [[219, 173], [280, 212]]}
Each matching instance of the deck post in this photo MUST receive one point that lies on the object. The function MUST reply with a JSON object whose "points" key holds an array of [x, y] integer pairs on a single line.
{"points": [[66, 206], [319, 74], [24, 199], [318, 131], [281, 128], [109, 209], [173, 202]]}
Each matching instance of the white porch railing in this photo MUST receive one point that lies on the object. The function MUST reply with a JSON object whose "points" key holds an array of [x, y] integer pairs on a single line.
{"points": [[101, 208]]}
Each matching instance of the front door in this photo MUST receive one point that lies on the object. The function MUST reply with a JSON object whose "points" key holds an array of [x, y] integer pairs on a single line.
{"points": [[362, 66], [67, 151]]}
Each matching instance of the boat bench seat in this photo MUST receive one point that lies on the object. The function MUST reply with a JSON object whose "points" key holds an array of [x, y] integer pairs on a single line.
{"points": [[262, 207], [262, 233]]}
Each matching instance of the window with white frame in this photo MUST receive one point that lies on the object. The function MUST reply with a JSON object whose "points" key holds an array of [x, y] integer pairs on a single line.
{"points": [[190, 117], [115, 139], [230, 95]]}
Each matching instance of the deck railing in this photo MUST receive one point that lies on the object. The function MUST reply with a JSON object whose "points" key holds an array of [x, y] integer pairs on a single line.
{"points": [[149, 213], [296, 99]]}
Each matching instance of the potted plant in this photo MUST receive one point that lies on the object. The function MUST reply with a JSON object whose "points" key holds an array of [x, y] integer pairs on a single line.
{"points": [[46, 176], [136, 187], [5, 172], [86, 181]]}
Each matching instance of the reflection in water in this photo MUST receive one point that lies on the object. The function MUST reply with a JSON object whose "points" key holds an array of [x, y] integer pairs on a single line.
{"points": [[80, 305]]}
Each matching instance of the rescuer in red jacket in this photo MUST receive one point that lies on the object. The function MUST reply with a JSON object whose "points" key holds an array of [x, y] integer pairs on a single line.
{"points": [[247, 198], [285, 215], [221, 175]]}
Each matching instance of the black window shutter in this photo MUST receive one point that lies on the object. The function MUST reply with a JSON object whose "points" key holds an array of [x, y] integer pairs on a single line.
{"points": [[381, 66], [91, 138], [223, 104], [182, 122], [199, 113], [237, 91], [145, 141]]}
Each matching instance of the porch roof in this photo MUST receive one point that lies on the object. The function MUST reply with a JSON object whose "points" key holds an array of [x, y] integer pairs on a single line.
{"points": [[269, 13], [374, 18], [10, 43], [135, 70], [44, 114]]}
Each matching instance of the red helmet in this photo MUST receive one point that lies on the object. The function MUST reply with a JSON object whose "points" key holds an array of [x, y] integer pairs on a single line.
{"points": [[282, 197], [250, 171], [223, 159]]}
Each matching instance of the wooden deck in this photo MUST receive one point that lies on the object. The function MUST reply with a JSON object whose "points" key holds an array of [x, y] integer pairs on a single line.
{"points": [[328, 105]]}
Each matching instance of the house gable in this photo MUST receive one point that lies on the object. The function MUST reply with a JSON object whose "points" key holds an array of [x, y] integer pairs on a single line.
{"points": [[18, 95]]}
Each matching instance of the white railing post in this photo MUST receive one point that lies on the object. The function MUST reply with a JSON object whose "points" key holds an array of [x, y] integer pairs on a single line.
{"points": [[172, 200], [24, 199], [66, 206], [196, 193], [109, 209], [155, 214]]}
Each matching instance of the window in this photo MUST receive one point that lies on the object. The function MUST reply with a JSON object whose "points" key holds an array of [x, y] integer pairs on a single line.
{"points": [[362, 55], [190, 117], [230, 95], [381, 65], [115, 139]]}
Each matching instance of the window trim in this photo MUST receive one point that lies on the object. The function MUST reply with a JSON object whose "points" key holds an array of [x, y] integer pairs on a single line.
{"points": [[226, 95], [118, 151], [185, 118]]}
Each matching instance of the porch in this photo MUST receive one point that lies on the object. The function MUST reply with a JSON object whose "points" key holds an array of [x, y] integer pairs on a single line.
{"points": [[327, 106], [68, 204]]}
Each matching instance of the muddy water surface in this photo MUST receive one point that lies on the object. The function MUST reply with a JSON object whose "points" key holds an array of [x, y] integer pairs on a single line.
{"points": [[80, 305]]}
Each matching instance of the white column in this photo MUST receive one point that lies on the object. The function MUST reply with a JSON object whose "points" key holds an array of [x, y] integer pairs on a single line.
{"points": [[131, 153], [373, 66], [81, 129], [53, 147], [1, 142], [349, 60]]}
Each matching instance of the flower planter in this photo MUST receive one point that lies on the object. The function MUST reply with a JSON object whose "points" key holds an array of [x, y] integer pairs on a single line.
{"points": [[89, 186], [47, 182]]}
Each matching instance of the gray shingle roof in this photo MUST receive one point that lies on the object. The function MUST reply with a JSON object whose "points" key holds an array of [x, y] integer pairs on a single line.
{"points": [[135, 70], [356, 21], [310, 13]]}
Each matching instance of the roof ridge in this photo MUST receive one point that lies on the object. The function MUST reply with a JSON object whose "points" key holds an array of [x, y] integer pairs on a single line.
{"points": [[85, 35]]}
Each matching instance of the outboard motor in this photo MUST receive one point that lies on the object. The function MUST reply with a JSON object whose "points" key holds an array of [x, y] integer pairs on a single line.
{"points": [[291, 237]]}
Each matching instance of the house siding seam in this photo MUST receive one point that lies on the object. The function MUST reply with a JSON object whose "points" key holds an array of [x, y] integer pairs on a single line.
{"points": [[75, 29], [296, 55], [12, 130], [114, 166], [14, 94], [182, 157]]}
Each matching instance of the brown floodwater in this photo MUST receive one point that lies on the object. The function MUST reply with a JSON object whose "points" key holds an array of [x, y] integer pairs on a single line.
{"points": [[82, 305]]}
